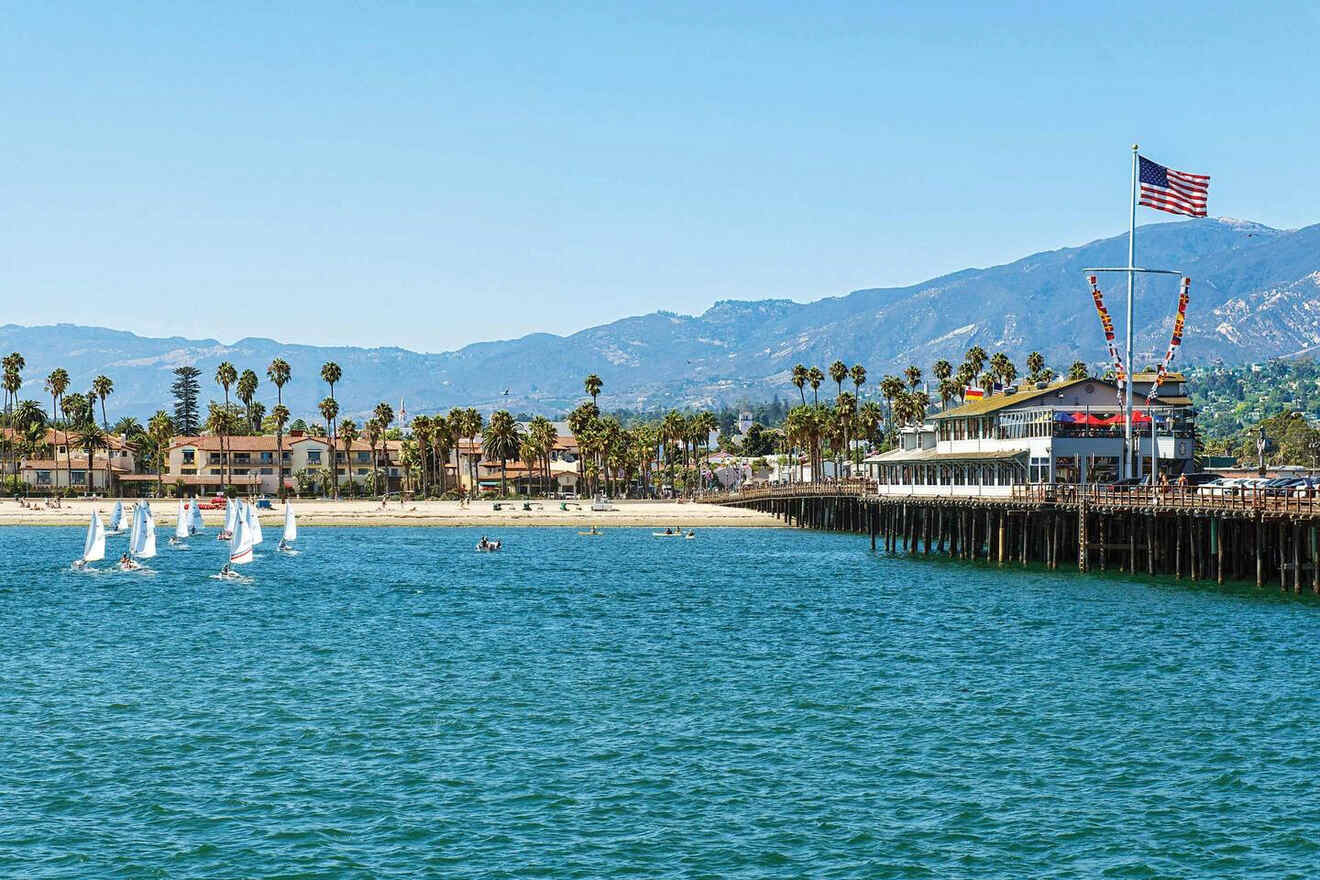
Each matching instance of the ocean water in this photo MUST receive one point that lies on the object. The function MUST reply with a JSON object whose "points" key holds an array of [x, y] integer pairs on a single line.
{"points": [[753, 703]]}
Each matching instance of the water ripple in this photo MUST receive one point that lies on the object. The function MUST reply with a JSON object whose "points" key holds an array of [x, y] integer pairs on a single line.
{"points": [[750, 704]]}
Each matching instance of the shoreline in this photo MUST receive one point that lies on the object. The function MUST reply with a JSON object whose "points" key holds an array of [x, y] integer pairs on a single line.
{"points": [[432, 514]]}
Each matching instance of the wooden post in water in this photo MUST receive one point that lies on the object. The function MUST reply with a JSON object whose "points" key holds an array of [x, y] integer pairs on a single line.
{"points": [[1315, 562], [1081, 535], [1260, 552], [1177, 549], [1283, 566], [1217, 536], [1297, 557], [1104, 546]]}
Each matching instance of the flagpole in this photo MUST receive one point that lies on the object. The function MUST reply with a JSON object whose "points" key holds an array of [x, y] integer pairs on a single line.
{"points": [[1128, 463]]}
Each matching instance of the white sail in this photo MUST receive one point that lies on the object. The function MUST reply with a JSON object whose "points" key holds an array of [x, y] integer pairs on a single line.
{"points": [[197, 525], [231, 514], [94, 546], [181, 522], [240, 544], [134, 529], [117, 517], [253, 523], [290, 524], [144, 544]]}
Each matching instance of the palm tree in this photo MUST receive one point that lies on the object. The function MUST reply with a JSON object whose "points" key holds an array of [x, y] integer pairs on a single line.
{"points": [[963, 378], [160, 430], [279, 373], [329, 408], [467, 424], [375, 437], [869, 418], [444, 439], [948, 390], [672, 428], [544, 436], [126, 426], [800, 376], [593, 384], [13, 382], [280, 414], [247, 389], [225, 375], [913, 376], [845, 411], [32, 441], [348, 432], [384, 414], [56, 384], [330, 375], [858, 374], [975, 358], [422, 432], [502, 440], [1035, 363], [1078, 370], [814, 378], [103, 387], [998, 365], [839, 372], [91, 437], [890, 388], [941, 369]]}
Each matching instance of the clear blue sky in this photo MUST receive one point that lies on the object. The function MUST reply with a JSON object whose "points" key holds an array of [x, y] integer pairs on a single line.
{"points": [[429, 175]]}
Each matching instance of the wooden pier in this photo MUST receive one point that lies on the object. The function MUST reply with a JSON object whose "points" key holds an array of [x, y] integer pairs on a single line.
{"points": [[1181, 532]]}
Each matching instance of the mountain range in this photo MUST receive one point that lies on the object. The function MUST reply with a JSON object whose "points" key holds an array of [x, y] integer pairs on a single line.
{"points": [[1255, 294]]}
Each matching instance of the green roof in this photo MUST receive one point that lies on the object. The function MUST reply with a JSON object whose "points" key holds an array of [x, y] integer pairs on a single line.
{"points": [[994, 402]]}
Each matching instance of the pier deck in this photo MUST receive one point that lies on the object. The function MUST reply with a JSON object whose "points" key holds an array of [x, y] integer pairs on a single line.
{"points": [[1184, 532]]}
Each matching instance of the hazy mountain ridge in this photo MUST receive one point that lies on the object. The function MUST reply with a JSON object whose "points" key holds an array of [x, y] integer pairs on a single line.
{"points": [[1255, 294]]}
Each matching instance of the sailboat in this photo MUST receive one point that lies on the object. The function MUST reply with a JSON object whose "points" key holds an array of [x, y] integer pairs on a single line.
{"points": [[231, 514], [290, 531], [94, 545], [240, 552], [179, 540], [142, 539], [197, 526], [117, 519], [252, 522]]}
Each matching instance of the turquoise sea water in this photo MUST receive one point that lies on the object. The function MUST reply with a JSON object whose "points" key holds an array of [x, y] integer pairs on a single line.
{"points": [[754, 703]]}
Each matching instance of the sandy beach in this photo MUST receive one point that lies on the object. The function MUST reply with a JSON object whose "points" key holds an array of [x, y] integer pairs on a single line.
{"points": [[320, 512]]}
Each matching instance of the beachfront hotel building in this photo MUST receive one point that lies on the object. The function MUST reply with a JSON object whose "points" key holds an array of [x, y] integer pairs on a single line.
{"points": [[1069, 431], [62, 463], [252, 463]]}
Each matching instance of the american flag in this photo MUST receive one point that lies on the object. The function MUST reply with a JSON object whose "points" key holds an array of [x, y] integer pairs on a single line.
{"points": [[1176, 192]]}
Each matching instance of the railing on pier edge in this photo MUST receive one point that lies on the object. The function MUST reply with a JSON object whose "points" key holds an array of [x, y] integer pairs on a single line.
{"points": [[1095, 496]]}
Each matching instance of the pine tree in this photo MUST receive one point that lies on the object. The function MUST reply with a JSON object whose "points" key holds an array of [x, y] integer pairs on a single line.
{"points": [[185, 390]]}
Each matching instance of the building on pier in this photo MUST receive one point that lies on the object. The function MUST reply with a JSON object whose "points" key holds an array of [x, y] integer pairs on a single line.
{"points": [[1070, 431]]}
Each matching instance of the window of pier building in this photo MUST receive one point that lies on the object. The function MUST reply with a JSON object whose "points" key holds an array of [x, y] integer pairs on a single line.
{"points": [[1103, 469], [1021, 424], [1039, 470], [1067, 470]]}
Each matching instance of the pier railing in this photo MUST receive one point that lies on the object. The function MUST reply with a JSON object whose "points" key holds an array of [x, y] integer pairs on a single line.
{"points": [[851, 488], [1103, 496]]}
